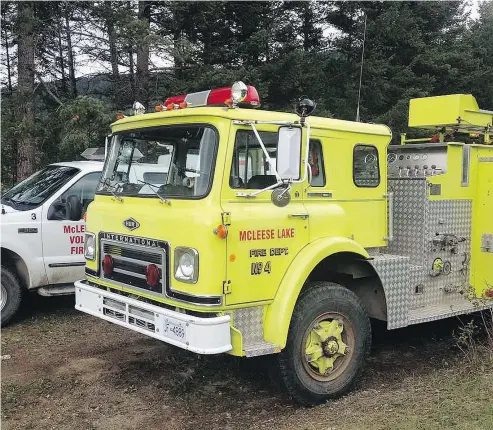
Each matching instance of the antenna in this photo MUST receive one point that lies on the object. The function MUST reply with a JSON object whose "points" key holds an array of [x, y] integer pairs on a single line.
{"points": [[361, 71]]}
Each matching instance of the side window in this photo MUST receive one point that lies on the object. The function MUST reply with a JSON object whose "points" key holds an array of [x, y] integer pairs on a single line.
{"points": [[366, 172], [251, 168], [84, 189], [316, 162]]}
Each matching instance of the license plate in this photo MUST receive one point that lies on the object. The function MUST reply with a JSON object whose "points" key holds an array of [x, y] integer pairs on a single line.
{"points": [[175, 329]]}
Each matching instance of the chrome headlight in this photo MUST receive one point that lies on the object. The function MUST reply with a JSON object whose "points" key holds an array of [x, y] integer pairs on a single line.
{"points": [[186, 265], [90, 246]]}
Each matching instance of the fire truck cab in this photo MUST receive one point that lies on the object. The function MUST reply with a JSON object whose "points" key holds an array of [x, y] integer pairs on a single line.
{"points": [[291, 233]]}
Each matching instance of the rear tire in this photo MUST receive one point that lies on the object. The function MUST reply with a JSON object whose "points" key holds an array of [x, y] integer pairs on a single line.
{"points": [[328, 342], [11, 296]]}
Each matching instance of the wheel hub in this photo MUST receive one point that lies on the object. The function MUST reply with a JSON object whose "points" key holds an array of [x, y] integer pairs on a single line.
{"points": [[324, 347], [3, 297], [330, 347]]}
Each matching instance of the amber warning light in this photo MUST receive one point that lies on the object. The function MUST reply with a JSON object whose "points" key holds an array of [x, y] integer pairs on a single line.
{"points": [[238, 95]]}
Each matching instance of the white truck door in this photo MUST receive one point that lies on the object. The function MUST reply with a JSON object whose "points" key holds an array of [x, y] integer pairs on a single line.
{"points": [[63, 239]]}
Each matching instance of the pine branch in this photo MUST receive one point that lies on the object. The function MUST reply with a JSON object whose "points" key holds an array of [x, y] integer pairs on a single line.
{"points": [[53, 96]]}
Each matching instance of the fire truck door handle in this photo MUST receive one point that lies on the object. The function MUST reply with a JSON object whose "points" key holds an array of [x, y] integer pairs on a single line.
{"points": [[390, 199], [303, 216]]}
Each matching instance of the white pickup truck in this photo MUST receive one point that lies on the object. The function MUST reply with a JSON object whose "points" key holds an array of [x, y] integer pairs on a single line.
{"points": [[42, 226], [42, 232]]}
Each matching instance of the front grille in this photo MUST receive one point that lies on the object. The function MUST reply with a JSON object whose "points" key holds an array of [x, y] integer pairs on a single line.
{"points": [[130, 263], [142, 324], [132, 254], [134, 315], [113, 314]]}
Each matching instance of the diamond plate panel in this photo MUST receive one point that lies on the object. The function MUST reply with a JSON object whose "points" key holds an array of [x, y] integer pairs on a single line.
{"points": [[410, 198], [417, 222], [249, 322], [394, 274], [452, 218]]}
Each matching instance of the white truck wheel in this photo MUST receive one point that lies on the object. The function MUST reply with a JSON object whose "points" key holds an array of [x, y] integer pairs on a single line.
{"points": [[11, 295]]}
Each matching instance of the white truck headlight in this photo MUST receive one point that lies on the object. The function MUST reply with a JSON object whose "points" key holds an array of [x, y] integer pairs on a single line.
{"points": [[186, 265], [90, 246]]}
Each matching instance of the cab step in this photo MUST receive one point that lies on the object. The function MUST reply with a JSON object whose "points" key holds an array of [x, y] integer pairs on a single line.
{"points": [[56, 290], [447, 310], [260, 348]]}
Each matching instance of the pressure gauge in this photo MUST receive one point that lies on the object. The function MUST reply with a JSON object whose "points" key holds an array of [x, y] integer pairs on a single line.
{"points": [[391, 157]]}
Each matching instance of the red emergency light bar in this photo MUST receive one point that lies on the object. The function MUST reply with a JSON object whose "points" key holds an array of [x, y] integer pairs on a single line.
{"points": [[244, 96]]}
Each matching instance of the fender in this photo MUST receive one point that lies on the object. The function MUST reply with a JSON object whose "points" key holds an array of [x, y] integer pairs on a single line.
{"points": [[34, 279], [278, 314], [27, 247]]}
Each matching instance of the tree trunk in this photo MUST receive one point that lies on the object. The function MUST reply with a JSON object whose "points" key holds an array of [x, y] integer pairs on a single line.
{"points": [[27, 147], [71, 67], [113, 50], [62, 63], [177, 59], [131, 70], [306, 26], [143, 56], [7, 54]]}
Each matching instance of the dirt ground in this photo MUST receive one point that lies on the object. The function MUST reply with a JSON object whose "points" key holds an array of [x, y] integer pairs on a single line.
{"points": [[62, 369]]}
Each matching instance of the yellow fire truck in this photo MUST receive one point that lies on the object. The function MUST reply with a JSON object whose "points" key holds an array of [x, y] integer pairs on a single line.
{"points": [[261, 232]]}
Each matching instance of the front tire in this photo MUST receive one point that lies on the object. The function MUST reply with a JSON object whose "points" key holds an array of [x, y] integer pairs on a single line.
{"points": [[328, 342], [11, 296]]}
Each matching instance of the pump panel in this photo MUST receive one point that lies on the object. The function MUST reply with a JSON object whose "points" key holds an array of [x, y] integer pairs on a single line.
{"points": [[416, 161]]}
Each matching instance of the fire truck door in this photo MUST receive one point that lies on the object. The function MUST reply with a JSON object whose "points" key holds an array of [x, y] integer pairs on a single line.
{"points": [[263, 239], [484, 271]]}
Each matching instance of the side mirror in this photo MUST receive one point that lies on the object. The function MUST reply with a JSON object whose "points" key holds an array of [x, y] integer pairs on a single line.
{"points": [[289, 152], [73, 208], [56, 212]]}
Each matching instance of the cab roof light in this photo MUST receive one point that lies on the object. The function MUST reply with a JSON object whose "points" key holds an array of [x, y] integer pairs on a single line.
{"points": [[238, 95], [138, 108]]}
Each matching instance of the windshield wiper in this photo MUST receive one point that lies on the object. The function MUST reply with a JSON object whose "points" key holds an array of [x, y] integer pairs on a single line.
{"points": [[109, 187], [163, 199], [7, 201], [13, 203], [116, 196]]}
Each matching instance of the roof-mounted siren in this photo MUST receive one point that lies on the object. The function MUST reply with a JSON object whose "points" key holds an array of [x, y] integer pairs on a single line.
{"points": [[304, 108], [456, 112], [238, 95]]}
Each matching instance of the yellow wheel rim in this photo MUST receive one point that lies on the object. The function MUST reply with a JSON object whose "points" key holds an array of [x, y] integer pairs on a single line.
{"points": [[327, 346]]}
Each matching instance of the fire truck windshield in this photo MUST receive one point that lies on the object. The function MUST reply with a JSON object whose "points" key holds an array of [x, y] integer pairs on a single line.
{"points": [[171, 161]]}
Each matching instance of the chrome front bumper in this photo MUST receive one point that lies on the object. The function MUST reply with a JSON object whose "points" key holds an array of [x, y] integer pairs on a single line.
{"points": [[200, 335]]}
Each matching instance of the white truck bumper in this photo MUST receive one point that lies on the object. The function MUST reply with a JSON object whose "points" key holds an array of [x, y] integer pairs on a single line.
{"points": [[200, 335]]}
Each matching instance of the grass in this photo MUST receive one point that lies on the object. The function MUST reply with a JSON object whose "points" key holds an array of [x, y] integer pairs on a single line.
{"points": [[451, 397], [420, 377], [475, 338]]}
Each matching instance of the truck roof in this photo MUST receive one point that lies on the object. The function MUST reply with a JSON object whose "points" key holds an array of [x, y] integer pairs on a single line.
{"points": [[152, 119], [89, 166]]}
